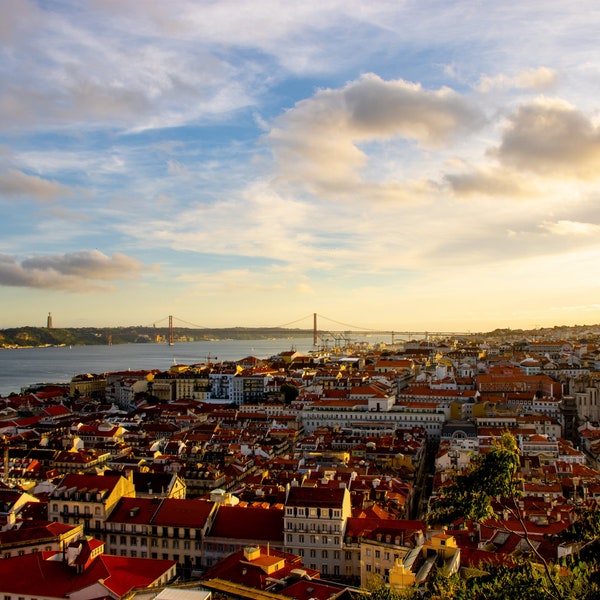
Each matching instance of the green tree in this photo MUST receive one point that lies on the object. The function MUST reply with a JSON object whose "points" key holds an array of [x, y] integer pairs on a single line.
{"points": [[474, 494], [290, 392]]}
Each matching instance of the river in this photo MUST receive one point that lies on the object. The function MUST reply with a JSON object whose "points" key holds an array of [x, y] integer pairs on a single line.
{"points": [[22, 367]]}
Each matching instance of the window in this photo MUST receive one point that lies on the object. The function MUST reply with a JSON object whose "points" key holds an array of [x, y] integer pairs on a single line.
{"points": [[324, 554], [165, 544], [175, 544], [143, 542], [97, 511], [186, 545], [369, 568], [313, 553], [290, 537], [377, 554], [133, 540], [123, 540], [301, 539]]}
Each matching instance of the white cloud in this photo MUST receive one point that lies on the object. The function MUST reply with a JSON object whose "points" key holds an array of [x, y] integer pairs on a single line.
{"points": [[75, 272], [318, 141], [14, 183], [566, 227], [552, 138], [540, 79]]}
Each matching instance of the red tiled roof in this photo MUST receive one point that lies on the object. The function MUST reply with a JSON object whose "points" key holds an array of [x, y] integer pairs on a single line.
{"points": [[248, 523], [175, 512], [118, 574], [310, 496]]}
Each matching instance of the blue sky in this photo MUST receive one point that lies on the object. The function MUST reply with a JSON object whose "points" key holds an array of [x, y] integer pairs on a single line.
{"points": [[430, 165]]}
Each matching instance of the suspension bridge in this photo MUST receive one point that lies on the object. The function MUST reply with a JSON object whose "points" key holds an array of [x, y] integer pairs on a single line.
{"points": [[340, 337]]}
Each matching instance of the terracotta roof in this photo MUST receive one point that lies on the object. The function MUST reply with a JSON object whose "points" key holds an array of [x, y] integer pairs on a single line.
{"points": [[248, 523], [318, 497], [176, 512], [118, 574]]}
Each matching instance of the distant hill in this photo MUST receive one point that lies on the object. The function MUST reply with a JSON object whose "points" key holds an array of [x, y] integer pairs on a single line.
{"points": [[89, 336]]}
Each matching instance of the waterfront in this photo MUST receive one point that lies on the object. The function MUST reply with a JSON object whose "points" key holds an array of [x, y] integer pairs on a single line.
{"points": [[22, 367]]}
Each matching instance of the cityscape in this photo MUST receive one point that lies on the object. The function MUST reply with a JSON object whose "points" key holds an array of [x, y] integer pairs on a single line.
{"points": [[325, 471], [181, 181]]}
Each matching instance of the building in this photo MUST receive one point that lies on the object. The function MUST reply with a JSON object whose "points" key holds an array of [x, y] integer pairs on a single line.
{"points": [[88, 499], [83, 571], [236, 527], [314, 524], [256, 568], [166, 529], [31, 538]]}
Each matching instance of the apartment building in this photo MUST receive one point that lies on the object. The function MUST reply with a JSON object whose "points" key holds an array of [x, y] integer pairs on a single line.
{"points": [[165, 529], [88, 499], [31, 538], [314, 523]]}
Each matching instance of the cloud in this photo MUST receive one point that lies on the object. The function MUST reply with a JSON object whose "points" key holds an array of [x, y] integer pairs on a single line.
{"points": [[74, 272], [320, 139], [540, 79], [552, 138], [14, 183], [571, 228], [491, 181]]}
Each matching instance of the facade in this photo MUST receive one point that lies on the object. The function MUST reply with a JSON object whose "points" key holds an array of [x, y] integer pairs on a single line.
{"points": [[88, 499], [38, 538], [356, 417], [165, 529], [314, 524]]}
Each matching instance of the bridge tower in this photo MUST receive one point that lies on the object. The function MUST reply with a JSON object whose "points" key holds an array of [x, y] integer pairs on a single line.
{"points": [[315, 332], [171, 339]]}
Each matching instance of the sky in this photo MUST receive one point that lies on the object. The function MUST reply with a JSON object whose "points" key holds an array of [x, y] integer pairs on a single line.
{"points": [[408, 165]]}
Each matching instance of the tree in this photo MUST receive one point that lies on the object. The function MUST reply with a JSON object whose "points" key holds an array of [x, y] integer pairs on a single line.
{"points": [[471, 495], [290, 392]]}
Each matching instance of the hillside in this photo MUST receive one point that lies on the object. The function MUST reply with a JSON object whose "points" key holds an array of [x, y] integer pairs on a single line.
{"points": [[42, 336]]}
